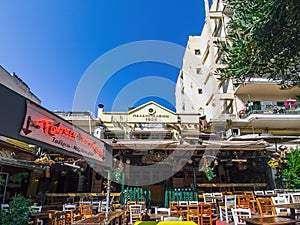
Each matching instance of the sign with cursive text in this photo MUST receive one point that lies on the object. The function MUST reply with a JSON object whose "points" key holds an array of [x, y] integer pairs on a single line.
{"points": [[48, 128]]}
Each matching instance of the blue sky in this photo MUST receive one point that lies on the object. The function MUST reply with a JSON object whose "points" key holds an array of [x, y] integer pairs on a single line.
{"points": [[51, 44]]}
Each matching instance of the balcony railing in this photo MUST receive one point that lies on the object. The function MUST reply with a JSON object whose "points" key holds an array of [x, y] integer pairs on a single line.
{"points": [[244, 113]]}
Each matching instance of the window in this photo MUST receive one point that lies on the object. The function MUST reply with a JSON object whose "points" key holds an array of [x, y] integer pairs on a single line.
{"points": [[197, 51], [199, 91], [198, 70]]}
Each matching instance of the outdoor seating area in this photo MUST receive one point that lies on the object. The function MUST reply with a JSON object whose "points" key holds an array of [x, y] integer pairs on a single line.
{"points": [[220, 208]]}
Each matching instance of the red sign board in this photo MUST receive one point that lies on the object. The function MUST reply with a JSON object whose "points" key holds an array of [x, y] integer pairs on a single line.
{"points": [[48, 128]]}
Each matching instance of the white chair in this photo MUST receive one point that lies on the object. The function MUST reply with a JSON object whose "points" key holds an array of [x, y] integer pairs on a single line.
{"points": [[135, 212], [281, 200], [287, 196], [239, 214], [171, 218], [5, 207], [69, 207], [296, 199], [95, 206], [193, 202], [37, 209], [162, 211], [267, 192], [102, 206], [225, 210], [259, 192], [208, 198]]}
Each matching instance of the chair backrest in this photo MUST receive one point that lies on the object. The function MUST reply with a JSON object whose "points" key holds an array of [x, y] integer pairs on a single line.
{"points": [[135, 212], [183, 203], [162, 211], [5, 207], [269, 192], [173, 208], [58, 218], [206, 214], [135, 209], [259, 192], [243, 201], [170, 218], [295, 197], [281, 200], [208, 198], [250, 194], [69, 206], [239, 214], [36, 208], [287, 196], [230, 201], [193, 202], [129, 203], [266, 207], [86, 209], [193, 209]]}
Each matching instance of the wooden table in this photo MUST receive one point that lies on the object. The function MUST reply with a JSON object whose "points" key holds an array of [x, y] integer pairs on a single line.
{"points": [[265, 195], [292, 206], [41, 216], [113, 218], [269, 221]]}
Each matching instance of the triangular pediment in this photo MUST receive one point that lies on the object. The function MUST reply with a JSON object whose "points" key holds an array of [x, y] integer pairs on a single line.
{"points": [[151, 112]]}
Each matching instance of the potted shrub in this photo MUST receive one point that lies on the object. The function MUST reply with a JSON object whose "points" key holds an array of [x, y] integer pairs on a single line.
{"points": [[18, 212]]}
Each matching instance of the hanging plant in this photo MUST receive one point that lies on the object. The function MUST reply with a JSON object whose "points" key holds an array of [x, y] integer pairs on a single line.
{"points": [[209, 172]]}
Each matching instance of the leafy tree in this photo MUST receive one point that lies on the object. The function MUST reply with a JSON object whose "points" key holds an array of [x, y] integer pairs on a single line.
{"points": [[289, 172], [263, 40]]}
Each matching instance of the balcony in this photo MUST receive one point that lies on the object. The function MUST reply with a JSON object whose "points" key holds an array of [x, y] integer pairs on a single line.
{"points": [[274, 110]]}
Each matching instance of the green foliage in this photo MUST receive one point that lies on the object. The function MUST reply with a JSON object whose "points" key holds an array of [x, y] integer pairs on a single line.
{"points": [[2, 181], [18, 213], [289, 172], [209, 172], [263, 41]]}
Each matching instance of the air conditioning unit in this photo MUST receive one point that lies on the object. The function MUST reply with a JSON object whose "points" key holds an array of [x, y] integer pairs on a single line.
{"points": [[233, 132]]}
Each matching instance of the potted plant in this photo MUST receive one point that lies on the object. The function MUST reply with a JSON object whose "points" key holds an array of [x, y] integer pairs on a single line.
{"points": [[18, 212]]}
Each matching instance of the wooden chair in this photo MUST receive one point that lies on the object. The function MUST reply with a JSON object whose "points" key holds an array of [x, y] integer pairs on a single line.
{"points": [[266, 207], [206, 214], [183, 208], [86, 210], [58, 218], [173, 208], [239, 214], [129, 203], [193, 211], [243, 201], [252, 200]]}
